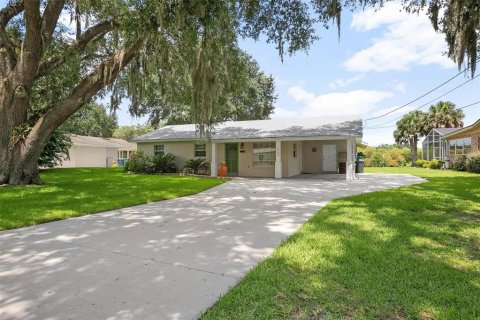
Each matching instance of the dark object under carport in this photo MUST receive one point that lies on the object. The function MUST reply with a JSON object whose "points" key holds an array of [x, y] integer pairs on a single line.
{"points": [[359, 165]]}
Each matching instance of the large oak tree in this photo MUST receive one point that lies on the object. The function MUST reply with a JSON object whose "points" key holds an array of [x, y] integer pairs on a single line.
{"points": [[147, 50]]}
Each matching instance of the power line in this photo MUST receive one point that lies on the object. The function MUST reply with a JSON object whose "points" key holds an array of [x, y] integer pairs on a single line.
{"points": [[423, 95], [468, 105], [426, 104]]}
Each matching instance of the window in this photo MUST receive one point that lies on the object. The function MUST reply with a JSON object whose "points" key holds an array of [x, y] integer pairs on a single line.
{"points": [[263, 154], [158, 150], [123, 154], [200, 150], [452, 147], [467, 145], [459, 148]]}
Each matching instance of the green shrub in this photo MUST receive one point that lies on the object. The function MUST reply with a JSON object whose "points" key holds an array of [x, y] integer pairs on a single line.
{"points": [[164, 163], [460, 163], [139, 163], [435, 164], [196, 165], [377, 160], [473, 162], [421, 163], [394, 158]]}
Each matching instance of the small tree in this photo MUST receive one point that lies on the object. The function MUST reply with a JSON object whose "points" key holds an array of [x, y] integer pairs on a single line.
{"points": [[409, 129], [56, 150]]}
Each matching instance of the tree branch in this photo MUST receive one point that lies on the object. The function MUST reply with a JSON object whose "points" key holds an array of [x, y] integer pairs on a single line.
{"points": [[32, 44], [78, 46], [50, 18], [103, 75], [8, 58], [10, 11]]}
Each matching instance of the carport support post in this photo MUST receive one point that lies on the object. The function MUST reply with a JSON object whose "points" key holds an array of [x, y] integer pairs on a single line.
{"points": [[278, 159], [213, 163], [350, 174]]}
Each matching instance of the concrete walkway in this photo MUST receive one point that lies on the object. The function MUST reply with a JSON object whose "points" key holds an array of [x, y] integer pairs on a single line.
{"points": [[165, 260]]}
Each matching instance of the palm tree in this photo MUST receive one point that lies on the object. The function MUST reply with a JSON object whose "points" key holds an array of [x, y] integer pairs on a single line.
{"points": [[444, 115], [409, 129]]}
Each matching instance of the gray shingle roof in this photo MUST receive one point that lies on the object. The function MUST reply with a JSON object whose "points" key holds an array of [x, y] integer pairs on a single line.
{"points": [[444, 131], [231, 130], [101, 142]]}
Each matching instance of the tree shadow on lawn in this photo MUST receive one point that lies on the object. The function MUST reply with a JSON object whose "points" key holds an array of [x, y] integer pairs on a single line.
{"points": [[403, 253]]}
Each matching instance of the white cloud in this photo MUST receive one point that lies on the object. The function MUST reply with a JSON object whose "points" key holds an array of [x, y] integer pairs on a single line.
{"points": [[409, 39], [282, 113], [399, 86], [394, 114], [356, 102], [340, 83], [375, 137]]}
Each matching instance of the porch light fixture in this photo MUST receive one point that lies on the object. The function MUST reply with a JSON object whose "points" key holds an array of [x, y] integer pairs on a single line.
{"points": [[242, 147]]}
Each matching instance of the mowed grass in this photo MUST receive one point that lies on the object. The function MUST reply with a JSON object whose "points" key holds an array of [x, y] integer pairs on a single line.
{"points": [[407, 253], [75, 192]]}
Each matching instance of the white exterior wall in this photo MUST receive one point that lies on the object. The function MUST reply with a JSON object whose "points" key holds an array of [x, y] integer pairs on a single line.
{"points": [[313, 161], [292, 166], [245, 167], [87, 157], [182, 150]]}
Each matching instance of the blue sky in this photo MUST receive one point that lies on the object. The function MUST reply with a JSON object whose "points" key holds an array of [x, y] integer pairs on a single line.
{"points": [[384, 59]]}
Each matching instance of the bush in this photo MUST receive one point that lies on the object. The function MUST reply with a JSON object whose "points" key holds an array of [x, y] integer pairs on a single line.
{"points": [[421, 163], [196, 165], [377, 160], [435, 164], [460, 163], [164, 163], [139, 162], [473, 162], [394, 158]]}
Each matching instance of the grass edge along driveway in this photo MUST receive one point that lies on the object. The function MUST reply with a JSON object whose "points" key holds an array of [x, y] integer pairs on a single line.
{"points": [[406, 253], [76, 192]]}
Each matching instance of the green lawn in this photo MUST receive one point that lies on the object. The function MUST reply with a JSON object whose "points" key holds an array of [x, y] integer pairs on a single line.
{"points": [[408, 253], [75, 192]]}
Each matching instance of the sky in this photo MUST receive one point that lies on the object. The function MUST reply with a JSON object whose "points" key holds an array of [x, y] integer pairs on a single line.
{"points": [[383, 59]]}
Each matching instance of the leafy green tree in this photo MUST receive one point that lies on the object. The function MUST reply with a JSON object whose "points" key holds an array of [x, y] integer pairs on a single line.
{"points": [[56, 150], [148, 51], [444, 115], [130, 132], [91, 120], [409, 129], [252, 98]]}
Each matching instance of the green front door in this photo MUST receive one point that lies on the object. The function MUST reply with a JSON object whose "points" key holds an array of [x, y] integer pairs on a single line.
{"points": [[231, 158]]}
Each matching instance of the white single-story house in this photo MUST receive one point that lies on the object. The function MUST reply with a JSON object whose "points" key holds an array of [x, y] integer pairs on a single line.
{"points": [[264, 148], [97, 152]]}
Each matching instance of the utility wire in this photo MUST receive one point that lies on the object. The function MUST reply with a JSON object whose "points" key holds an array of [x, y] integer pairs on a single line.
{"points": [[468, 105], [472, 104], [426, 104], [423, 95]]}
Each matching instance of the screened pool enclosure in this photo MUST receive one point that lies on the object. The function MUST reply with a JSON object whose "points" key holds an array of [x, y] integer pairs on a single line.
{"points": [[434, 147]]}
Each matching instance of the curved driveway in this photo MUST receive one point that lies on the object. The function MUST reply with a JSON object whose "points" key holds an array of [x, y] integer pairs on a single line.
{"points": [[164, 260]]}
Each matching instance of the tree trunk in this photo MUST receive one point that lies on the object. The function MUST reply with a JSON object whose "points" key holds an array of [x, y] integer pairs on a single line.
{"points": [[21, 148], [413, 149]]}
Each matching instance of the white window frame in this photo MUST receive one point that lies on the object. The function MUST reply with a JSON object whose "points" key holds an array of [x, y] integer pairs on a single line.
{"points": [[263, 154], [200, 150], [158, 150]]}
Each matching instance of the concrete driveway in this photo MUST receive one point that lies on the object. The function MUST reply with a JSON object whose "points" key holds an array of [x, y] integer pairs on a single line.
{"points": [[164, 260]]}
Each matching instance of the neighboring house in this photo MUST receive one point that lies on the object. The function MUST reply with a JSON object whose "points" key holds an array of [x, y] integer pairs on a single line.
{"points": [[264, 148], [97, 152], [434, 147], [445, 144], [463, 140]]}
